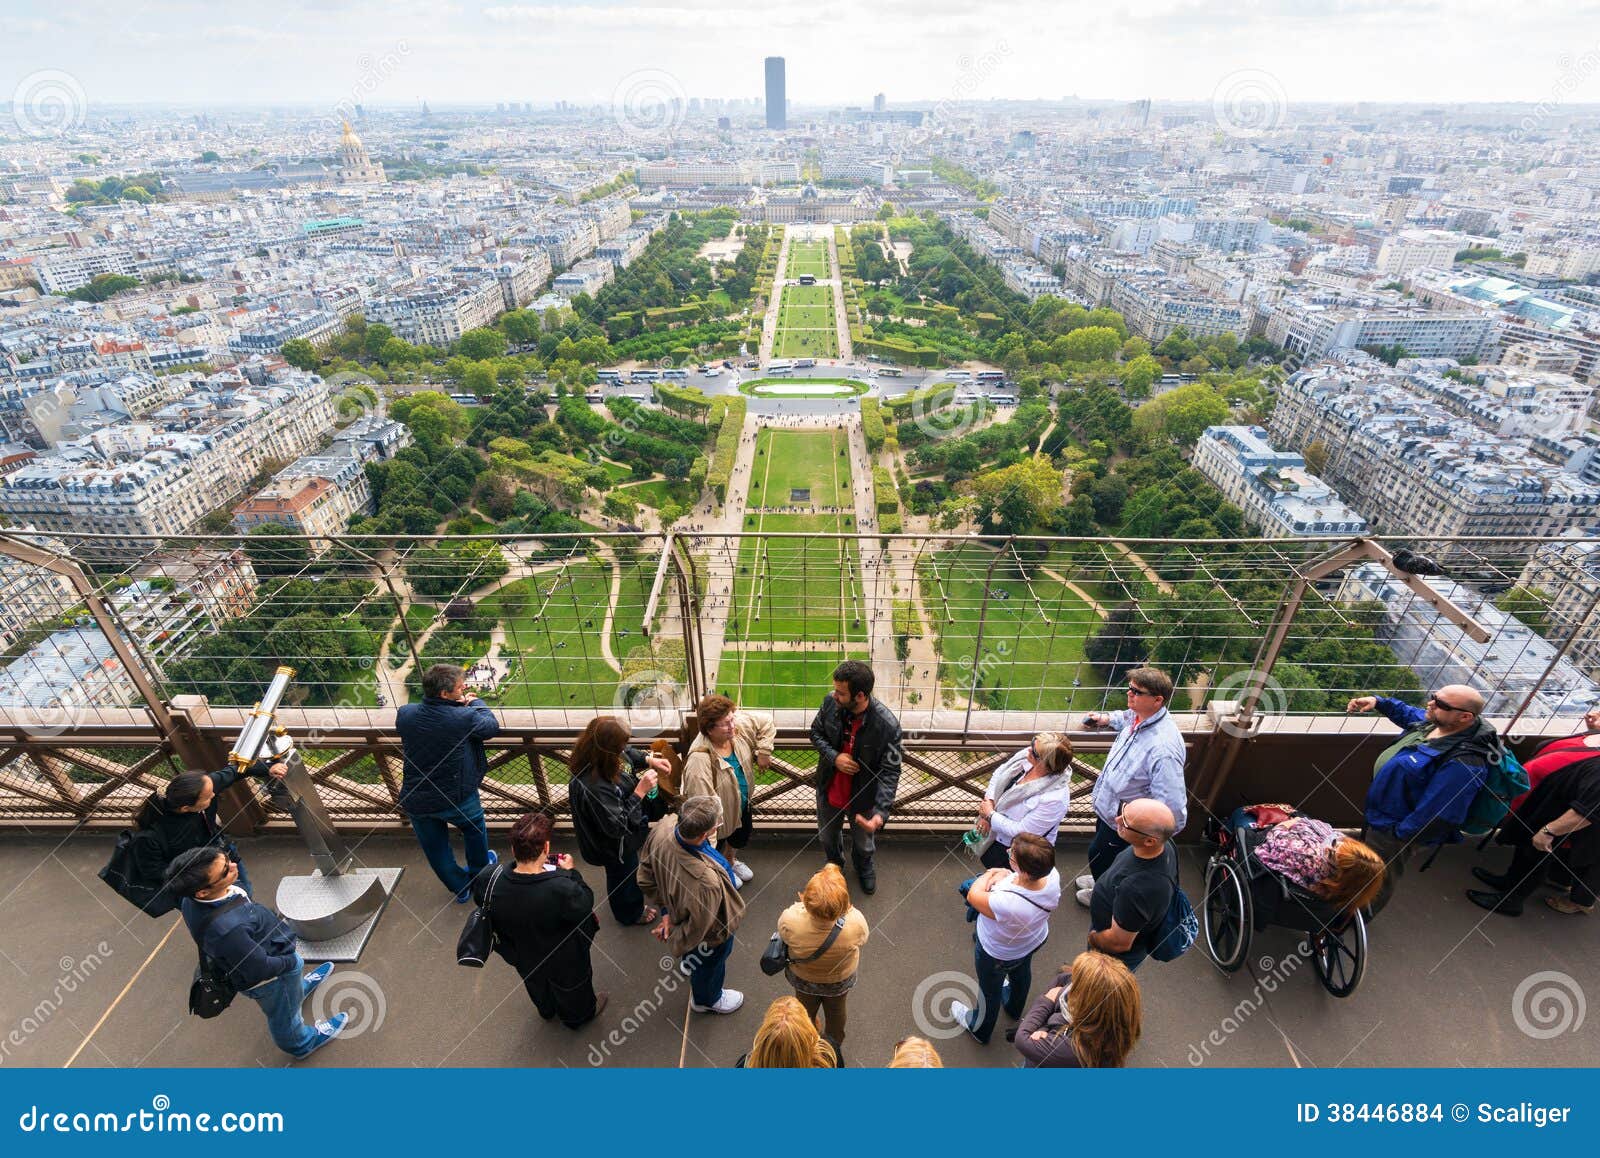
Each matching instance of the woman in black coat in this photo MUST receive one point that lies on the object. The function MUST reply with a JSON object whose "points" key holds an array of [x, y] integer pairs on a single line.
{"points": [[611, 811], [1555, 822], [542, 914], [184, 816]]}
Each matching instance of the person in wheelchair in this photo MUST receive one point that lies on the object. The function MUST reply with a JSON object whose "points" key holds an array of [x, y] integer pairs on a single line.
{"points": [[1311, 854]]}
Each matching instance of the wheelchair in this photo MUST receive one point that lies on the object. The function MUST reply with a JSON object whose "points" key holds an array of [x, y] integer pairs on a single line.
{"points": [[1243, 896]]}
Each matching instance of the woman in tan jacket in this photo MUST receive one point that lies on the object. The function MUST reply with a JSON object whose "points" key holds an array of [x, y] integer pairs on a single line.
{"points": [[824, 983], [722, 762]]}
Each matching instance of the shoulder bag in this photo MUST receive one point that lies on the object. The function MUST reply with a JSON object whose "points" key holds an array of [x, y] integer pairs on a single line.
{"points": [[775, 959], [477, 940]]}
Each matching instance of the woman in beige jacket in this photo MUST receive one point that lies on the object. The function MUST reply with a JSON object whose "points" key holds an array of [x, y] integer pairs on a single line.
{"points": [[823, 983], [722, 762]]}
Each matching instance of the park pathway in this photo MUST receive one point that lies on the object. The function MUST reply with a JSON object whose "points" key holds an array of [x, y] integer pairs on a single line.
{"points": [[769, 321], [841, 321]]}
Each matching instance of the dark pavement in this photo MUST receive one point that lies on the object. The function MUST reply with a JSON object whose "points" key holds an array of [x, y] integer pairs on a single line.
{"points": [[1439, 990]]}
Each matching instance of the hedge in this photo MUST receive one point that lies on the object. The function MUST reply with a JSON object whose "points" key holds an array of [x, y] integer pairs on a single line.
{"points": [[727, 448], [872, 424], [928, 399], [884, 492], [697, 473], [685, 400], [890, 523]]}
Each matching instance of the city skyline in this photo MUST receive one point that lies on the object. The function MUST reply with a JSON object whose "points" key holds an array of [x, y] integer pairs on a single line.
{"points": [[484, 52]]}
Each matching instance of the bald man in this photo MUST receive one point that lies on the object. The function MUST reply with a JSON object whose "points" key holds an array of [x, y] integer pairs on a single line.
{"points": [[1424, 782], [1131, 898]]}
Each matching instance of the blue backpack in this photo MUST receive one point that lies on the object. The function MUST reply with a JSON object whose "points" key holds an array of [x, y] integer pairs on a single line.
{"points": [[1505, 780], [1179, 929]]}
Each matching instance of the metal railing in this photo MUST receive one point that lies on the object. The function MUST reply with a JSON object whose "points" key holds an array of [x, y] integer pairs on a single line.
{"points": [[977, 642]]}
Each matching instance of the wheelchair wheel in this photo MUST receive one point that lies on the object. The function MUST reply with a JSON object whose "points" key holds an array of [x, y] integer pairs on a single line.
{"points": [[1340, 957], [1225, 914]]}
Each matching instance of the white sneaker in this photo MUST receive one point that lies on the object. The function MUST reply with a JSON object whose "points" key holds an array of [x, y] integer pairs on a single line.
{"points": [[743, 871], [963, 1015], [1086, 881], [730, 1000], [1084, 895]]}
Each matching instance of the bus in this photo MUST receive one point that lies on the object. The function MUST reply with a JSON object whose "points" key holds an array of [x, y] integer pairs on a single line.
{"points": [[987, 376], [609, 375], [803, 363], [1003, 399], [808, 279], [674, 374], [594, 398], [466, 399], [891, 371], [644, 376], [781, 366], [958, 375]]}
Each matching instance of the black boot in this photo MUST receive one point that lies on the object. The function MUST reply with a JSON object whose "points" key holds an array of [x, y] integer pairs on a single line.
{"points": [[1502, 903], [867, 874]]}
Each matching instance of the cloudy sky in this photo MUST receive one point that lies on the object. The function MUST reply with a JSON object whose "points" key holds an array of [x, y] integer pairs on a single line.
{"points": [[396, 52]]}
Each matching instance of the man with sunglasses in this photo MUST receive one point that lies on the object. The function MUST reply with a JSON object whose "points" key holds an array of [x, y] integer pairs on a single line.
{"points": [[1129, 901], [1145, 761], [1424, 783]]}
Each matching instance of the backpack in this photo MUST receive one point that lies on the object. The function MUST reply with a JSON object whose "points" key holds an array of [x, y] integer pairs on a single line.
{"points": [[1180, 928], [1505, 780], [121, 873], [212, 989]]}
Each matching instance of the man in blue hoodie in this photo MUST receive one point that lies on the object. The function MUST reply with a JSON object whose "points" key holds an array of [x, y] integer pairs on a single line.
{"points": [[1424, 783], [442, 739], [251, 947]]}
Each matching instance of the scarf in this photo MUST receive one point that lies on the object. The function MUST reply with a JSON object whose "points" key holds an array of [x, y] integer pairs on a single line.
{"points": [[1017, 793], [710, 852]]}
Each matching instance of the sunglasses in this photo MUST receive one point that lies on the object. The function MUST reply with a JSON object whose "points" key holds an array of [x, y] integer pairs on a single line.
{"points": [[1438, 703], [1139, 692], [1121, 823]]}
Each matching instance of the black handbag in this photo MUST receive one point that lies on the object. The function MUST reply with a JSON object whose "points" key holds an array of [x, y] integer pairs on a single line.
{"points": [[775, 958], [477, 940], [211, 991]]}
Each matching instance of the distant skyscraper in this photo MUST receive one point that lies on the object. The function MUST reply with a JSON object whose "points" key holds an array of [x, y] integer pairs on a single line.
{"points": [[777, 104], [879, 103]]}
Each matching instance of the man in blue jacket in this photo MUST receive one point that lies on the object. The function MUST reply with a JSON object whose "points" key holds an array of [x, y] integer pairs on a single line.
{"points": [[1424, 783], [251, 946], [442, 738]]}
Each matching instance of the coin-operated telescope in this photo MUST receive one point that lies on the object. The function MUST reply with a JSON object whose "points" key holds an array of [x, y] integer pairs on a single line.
{"points": [[334, 910]]}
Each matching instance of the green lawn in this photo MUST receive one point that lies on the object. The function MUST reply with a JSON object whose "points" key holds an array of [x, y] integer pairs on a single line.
{"points": [[780, 679], [808, 257], [806, 326], [1033, 634], [805, 588], [553, 620], [657, 493]]}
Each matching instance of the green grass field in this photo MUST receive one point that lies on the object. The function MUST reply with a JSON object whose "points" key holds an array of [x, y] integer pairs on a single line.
{"points": [[780, 679], [553, 620], [659, 492], [1033, 635], [806, 326], [789, 590], [808, 257]]}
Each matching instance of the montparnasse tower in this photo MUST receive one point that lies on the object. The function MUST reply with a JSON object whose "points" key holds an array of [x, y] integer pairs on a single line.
{"points": [[354, 164]]}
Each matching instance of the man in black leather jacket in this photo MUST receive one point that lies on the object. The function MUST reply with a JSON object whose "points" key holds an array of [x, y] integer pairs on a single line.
{"points": [[857, 739]]}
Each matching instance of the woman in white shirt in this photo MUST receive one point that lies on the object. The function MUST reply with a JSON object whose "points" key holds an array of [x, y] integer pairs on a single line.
{"points": [[1028, 793], [1014, 907]]}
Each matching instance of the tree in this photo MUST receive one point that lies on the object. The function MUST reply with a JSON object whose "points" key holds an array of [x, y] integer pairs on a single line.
{"points": [[1139, 375], [480, 378], [1528, 604], [1017, 498], [1109, 495], [210, 157], [1118, 646], [300, 354], [1181, 415], [1090, 344], [1316, 456], [275, 549], [481, 344]]}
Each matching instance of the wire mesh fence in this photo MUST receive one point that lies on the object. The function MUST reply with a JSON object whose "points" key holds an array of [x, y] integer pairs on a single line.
{"points": [[1041, 629]]}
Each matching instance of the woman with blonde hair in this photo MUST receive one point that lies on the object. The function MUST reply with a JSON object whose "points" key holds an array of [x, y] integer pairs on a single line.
{"points": [[1090, 1019], [1028, 793], [788, 1040], [915, 1053], [722, 762], [824, 933]]}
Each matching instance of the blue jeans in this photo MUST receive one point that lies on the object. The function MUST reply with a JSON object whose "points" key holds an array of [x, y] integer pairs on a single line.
{"points": [[707, 971], [280, 999], [993, 974], [433, 834]]}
